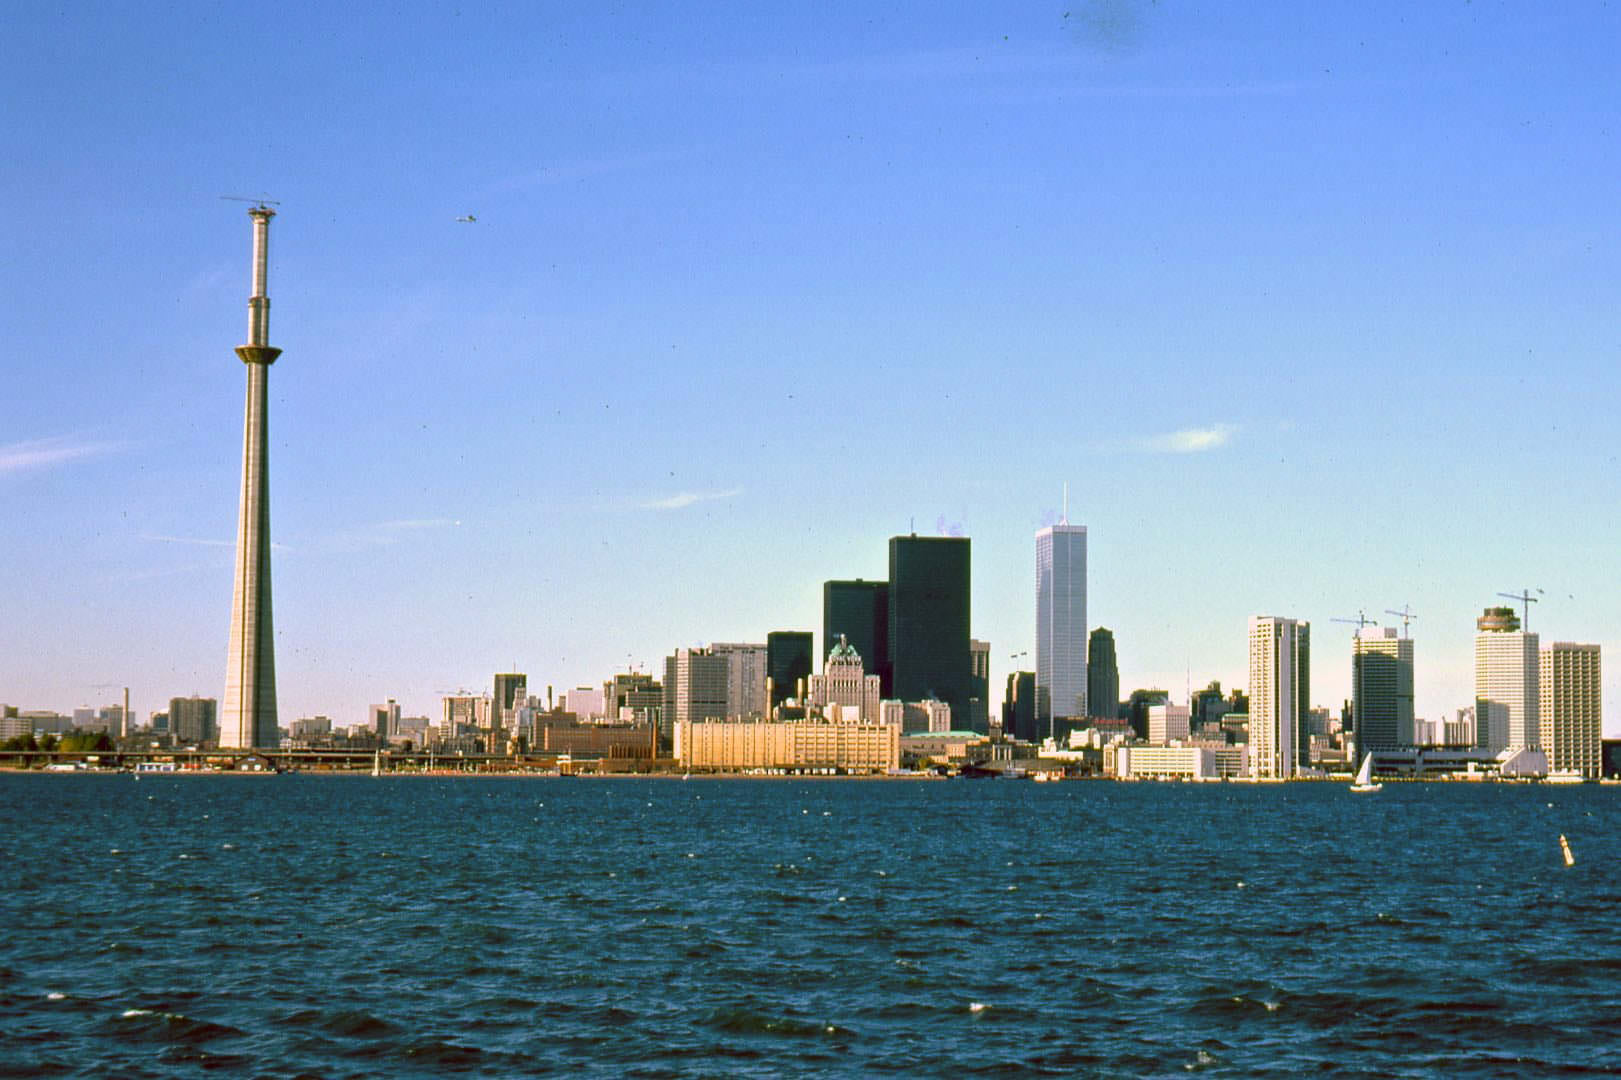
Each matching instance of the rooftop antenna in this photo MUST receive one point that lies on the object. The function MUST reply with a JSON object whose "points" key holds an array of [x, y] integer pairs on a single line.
{"points": [[1405, 614], [1526, 600]]}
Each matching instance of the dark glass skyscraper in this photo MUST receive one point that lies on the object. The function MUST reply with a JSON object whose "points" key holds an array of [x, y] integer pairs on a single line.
{"points": [[1102, 675], [929, 654], [859, 610], [1019, 706], [788, 659]]}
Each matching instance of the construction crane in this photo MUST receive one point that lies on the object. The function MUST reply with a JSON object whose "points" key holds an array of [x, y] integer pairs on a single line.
{"points": [[1405, 614], [1526, 600], [1359, 622], [260, 202]]}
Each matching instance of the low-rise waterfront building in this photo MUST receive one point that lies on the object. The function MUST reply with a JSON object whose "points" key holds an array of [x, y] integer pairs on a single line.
{"points": [[739, 745]]}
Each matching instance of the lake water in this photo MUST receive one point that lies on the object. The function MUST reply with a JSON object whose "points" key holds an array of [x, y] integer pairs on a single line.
{"points": [[352, 926]]}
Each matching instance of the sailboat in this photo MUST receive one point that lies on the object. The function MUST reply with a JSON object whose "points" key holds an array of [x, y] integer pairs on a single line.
{"points": [[1364, 776]]}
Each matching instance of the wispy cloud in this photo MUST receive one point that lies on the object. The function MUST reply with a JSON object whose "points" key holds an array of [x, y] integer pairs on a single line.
{"points": [[45, 453], [197, 540], [201, 541], [406, 524], [687, 498], [1191, 440]]}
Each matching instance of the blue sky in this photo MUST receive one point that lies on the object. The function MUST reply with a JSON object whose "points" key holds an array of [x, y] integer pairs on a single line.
{"points": [[1313, 307]]}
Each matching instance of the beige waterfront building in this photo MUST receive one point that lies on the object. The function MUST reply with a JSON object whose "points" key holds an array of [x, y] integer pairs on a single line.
{"points": [[1571, 689], [736, 745]]}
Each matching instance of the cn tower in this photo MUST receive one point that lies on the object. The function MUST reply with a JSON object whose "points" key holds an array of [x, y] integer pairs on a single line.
{"points": [[248, 718]]}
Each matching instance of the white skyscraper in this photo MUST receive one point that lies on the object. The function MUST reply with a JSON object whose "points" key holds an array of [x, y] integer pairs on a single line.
{"points": [[1060, 624], [1571, 690], [746, 665], [1280, 695], [1507, 710]]}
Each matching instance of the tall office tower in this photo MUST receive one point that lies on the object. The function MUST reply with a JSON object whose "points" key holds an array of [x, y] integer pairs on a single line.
{"points": [[385, 720], [511, 688], [789, 658], [1060, 625], [1280, 695], [194, 720], [745, 677], [845, 684], [858, 612], [249, 716], [929, 579], [1019, 706], [1102, 676], [979, 688], [1382, 689], [694, 687], [1507, 712], [1571, 689]]}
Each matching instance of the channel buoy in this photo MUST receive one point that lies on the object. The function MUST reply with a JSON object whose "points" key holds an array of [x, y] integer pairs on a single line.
{"points": [[1564, 846]]}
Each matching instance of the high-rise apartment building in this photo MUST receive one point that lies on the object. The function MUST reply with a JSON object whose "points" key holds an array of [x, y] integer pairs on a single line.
{"points": [[1060, 625], [194, 720], [929, 580], [1570, 700], [1102, 676], [789, 659], [1280, 695], [858, 613], [1507, 710], [1382, 689]]}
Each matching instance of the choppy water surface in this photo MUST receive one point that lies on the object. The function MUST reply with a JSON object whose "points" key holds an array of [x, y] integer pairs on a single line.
{"points": [[282, 926]]}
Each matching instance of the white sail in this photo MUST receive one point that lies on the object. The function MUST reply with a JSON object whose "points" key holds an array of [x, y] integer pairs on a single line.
{"points": [[1364, 775]]}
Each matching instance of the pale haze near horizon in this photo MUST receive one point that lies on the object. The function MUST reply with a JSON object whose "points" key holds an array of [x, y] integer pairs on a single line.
{"points": [[1312, 308]]}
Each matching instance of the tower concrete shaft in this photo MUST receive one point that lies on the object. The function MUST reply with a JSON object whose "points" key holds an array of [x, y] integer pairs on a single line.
{"points": [[248, 717]]}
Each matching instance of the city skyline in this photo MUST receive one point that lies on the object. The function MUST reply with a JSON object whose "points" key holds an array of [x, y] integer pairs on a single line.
{"points": [[1247, 266]]}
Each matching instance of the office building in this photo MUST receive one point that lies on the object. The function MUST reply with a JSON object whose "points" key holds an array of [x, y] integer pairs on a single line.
{"points": [[589, 703], [1280, 695], [1061, 637], [979, 687], [1381, 689], [385, 720], [789, 660], [1570, 700], [1168, 722], [745, 677], [465, 714], [695, 688], [249, 716], [511, 688], [1019, 707], [1102, 675], [844, 690], [929, 581], [858, 612], [1507, 710], [633, 698]]}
